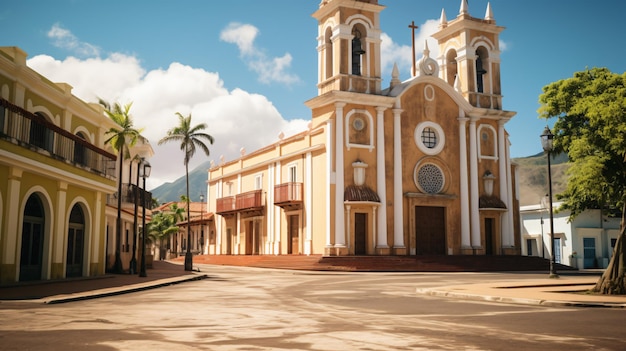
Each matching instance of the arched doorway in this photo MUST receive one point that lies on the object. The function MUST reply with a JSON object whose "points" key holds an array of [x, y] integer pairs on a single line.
{"points": [[31, 261], [75, 243]]}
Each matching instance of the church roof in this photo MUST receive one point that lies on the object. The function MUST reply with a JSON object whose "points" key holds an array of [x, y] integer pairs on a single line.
{"points": [[490, 202], [360, 194]]}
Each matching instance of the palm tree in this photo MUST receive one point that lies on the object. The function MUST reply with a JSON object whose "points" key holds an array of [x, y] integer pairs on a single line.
{"points": [[121, 139], [160, 228], [190, 138]]}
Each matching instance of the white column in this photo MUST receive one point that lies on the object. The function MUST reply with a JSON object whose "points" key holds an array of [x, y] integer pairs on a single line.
{"points": [[465, 211], [474, 211], [398, 218], [330, 177], [308, 198], [277, 218], [98, 233], [271, 210], [340, 234], [218, 220], [381, 180], [509, 188], [238, 241], [58, 241], [8, 255], [505, 227]]}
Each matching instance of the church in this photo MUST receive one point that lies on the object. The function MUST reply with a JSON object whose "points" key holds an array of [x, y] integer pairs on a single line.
{"points": [[415, 167]]}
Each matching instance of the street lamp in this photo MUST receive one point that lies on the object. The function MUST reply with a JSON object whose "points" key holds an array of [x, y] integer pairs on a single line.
{"points": [[202, 224], [547, 139], [133, 260], [145, 173]]}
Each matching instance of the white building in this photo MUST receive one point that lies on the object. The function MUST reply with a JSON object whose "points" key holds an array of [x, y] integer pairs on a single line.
{"points": [[585, 242]]}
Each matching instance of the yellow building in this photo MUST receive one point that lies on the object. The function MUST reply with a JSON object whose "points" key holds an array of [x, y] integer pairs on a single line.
{"points": [[58, 180], [55, 175], [419, 167]]}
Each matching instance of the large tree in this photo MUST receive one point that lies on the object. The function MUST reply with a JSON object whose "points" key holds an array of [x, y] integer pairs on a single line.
{"points": [[590, 112], [190, 138], [121, 139]]}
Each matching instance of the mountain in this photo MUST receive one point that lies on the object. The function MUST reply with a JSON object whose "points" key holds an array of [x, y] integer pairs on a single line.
{"points": [[197, 185], [532, 180], [532, 177]]}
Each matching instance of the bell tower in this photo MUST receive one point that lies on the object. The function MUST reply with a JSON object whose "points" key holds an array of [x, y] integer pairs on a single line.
{"points": [[349, 46], [470, 56]]}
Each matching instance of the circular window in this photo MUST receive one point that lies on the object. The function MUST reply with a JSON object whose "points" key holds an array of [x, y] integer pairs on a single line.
{"points": [[429, 138], [358, 123], [429, 179]]}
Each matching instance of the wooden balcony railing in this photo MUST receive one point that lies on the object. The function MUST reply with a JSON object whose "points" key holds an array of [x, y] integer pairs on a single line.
{"points": [[250, 200], [225, 205], [36, 133], [288, 194], [246, 202]]}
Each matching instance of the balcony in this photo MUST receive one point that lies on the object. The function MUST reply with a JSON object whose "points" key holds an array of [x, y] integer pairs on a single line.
{"points": [[225, 206], [249, 203], [288, 196], [128, 196], [34, 132]]}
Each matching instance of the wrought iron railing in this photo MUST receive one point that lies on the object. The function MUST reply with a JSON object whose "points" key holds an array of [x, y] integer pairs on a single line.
{"points": [[36, 133]]}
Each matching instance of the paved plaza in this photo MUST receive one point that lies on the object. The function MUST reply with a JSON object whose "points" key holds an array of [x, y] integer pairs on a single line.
{"points": [[247, 308]]}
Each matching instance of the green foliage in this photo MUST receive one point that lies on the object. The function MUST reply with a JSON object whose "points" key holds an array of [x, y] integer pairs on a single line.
{"points": [[126, 136], [190, 138], [163, 224], [590, 108]]}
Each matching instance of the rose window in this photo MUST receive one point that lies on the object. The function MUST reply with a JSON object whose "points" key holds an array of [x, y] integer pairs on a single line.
{"points": [[430, 179]]}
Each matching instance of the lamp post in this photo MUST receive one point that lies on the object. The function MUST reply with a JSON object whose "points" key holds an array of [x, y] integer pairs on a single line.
{"points": [[133, 260], [547, 139], [145, 173], [202, 224]]}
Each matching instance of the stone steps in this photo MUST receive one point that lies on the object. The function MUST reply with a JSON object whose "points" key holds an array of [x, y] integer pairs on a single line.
{"points": [[460, 263]]}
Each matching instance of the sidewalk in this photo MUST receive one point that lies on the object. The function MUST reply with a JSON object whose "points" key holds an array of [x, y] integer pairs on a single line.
{"points": [[568, 290], [163, 273]]}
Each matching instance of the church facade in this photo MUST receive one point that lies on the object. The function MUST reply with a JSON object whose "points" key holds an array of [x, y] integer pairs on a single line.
{"points": [[419, 167]]}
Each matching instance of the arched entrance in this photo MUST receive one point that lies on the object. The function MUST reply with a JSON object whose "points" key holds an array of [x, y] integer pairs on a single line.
{"points": [[31, 260], [75, 243]]}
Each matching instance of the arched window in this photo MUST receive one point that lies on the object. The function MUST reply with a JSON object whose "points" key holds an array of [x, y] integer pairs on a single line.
{"points": [[487, 144], [80, 151], [40, 135], [357, 51], [451, 67], [482, 60], [75, 243], [329, 52], [31, 261]]}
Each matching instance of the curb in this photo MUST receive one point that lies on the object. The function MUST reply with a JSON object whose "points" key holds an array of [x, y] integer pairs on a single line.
{"points": [[57, 299], [517, 300]]}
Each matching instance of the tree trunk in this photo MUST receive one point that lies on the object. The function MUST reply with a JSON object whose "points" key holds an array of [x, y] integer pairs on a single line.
{"points": [[613, 280]]}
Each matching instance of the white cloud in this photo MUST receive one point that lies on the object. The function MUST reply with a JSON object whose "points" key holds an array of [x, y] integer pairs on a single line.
{"points": [[504, 46], [63, 38], [392, 52], [269, 69], [235, 118], [242, 35]]}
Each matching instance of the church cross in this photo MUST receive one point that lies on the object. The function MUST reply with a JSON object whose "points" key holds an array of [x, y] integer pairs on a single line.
{"points": [[413, 28]]}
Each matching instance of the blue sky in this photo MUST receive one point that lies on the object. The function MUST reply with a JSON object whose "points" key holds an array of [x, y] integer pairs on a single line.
{"points": [[246, 67]]}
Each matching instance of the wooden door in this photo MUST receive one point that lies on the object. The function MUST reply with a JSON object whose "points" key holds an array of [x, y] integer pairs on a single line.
{"points": [[360, 233], [430, 230]]}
